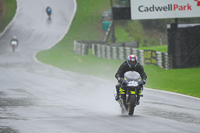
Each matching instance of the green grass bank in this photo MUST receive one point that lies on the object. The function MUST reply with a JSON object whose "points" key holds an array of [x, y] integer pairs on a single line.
{"points": [[8, 9], [87, 26]]}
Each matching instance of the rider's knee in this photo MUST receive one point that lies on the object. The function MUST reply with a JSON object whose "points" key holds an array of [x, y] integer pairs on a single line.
{"points": [[117, 86]]}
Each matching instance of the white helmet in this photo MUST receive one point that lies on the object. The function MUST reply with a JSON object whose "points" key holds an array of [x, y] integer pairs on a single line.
{"points": [[132, 61]]}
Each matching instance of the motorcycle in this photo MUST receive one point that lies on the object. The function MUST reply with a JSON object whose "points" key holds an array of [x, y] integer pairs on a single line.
{"points": [[130, 92]]}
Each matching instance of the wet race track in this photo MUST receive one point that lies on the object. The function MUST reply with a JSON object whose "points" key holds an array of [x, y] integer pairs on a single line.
{"points": [[38, 98]]}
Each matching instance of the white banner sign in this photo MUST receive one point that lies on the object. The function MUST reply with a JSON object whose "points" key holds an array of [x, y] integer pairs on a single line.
{"points": [[161, 9]]}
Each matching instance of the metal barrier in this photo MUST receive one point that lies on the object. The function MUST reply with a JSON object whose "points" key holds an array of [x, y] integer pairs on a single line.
{"points": [[113, 52]]}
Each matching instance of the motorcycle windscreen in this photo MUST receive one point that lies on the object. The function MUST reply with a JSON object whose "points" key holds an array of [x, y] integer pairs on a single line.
{"points": [[132, 75]]}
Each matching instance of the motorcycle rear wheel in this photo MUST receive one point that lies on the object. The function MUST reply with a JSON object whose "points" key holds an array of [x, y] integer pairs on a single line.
{"points": [[13, 48], [131, 104]]}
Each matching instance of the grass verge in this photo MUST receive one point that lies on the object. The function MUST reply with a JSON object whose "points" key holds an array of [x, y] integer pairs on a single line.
{"points": [[8, 12], [87, 26], [162, 48]]}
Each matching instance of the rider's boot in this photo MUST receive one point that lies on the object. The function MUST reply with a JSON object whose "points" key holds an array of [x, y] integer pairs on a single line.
{"points": [[117, 96], [138, 100], [139, 95], [117, 92]]}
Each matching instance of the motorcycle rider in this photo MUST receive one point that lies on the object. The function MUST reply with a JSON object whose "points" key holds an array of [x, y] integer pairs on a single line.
{"points": [[48, 10], [131, 64], [14, 42]]}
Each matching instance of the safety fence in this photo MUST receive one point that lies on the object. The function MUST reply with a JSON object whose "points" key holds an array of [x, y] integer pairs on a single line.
{"points": [[117, 52]]}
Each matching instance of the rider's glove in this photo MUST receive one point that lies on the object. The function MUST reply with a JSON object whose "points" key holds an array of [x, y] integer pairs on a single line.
{"points": [[144, 82], [120, 80]]}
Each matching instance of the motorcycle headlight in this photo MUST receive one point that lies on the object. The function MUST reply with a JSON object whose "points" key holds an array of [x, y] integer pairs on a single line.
{"points": [[132, 83]]}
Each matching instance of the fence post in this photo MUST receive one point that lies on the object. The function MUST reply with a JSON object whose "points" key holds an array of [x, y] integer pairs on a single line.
{"points": [[108, 52], [159, 59], [165, 60], [141, 57], [121, 53], [84, 49], [103, 49], [79, 48], [94, 50], [114, 52], [75, 46], [98, 50]]}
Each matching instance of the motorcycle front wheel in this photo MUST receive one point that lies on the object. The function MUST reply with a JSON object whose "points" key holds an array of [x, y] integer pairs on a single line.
{"points": [[131, 104]]}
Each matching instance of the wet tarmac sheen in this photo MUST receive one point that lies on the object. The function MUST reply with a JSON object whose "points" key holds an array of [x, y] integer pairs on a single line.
{"points": [[38, 98]]}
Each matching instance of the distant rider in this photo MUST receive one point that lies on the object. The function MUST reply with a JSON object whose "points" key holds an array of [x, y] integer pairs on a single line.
{"points": [[49, 11], [131, 64], [14, 41]]}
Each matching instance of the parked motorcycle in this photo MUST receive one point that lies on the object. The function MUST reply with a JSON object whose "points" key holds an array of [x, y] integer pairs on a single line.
{"points": [[130, 92]]}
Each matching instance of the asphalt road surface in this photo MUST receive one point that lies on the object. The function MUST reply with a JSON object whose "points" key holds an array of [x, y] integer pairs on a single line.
{"points": [[38, 98]]}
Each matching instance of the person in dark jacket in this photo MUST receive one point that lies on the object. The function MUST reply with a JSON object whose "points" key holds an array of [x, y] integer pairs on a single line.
{"points": [[131, 64]]}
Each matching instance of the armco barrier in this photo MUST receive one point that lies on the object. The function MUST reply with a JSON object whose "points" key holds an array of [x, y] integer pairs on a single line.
{"points": [[80, 48], [113, 52]]}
